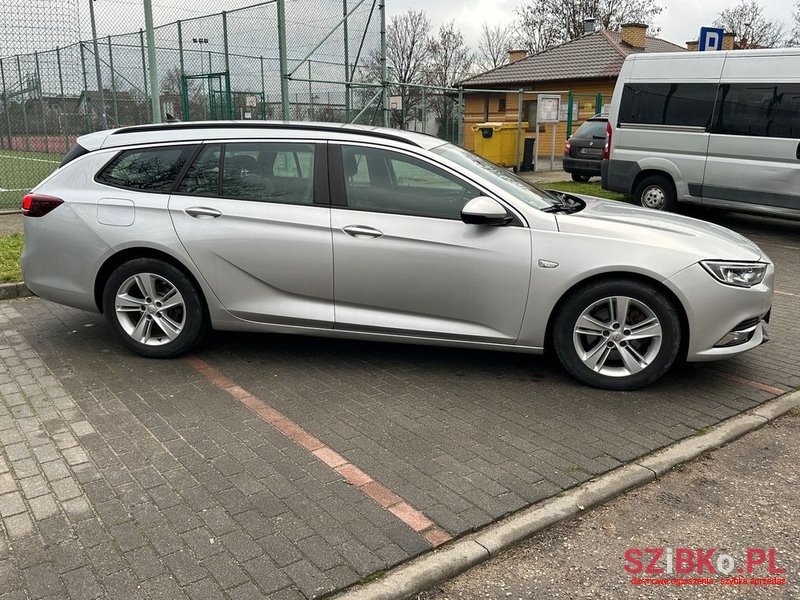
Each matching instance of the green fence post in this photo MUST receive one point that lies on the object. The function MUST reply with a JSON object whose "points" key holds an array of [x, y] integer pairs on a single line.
{"points": [[114, 104], [41, 102], [424, 110], [461, 116], [63, 99], [5, 105], [227, 63], [598, 104], [384, 69], [569, 114], [284, 64], [518, 160], [24, 109], [310, 94]]}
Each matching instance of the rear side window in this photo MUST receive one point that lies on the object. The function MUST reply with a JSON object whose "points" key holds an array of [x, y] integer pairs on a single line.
{"points": [[75, 152], [676, 104], [758, 109], [146, 169]]}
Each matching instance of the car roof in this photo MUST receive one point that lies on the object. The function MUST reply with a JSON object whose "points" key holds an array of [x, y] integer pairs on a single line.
{"points": [[209, 130]]}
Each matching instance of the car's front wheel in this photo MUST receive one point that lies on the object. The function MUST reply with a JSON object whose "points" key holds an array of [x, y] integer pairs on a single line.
{"points": [[154, 308], [619, 335]]}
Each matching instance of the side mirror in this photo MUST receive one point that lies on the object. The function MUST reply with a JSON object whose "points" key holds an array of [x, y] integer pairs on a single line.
{"points": [[484, 211]]}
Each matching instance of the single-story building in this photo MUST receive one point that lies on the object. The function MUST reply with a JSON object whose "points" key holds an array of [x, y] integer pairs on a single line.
{"points": [[587, 66]]}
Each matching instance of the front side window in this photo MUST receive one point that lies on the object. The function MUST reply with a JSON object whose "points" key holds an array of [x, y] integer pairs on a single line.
{"points": [[676, 104], [758, 109], [384, 181], [146, 169]]}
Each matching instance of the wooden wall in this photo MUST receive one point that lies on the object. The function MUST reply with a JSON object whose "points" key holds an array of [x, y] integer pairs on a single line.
{"points": [[584, 90]]}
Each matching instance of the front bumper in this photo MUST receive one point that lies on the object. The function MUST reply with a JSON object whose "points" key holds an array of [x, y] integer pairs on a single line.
{"points": [[716, 313]]}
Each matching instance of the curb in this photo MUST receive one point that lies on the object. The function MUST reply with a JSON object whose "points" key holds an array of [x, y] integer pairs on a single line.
{"points": [[14, 290], [454, 558]]}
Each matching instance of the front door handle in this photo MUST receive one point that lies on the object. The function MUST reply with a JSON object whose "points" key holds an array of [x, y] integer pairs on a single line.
{"points": [[202, 212], [362, 231]]}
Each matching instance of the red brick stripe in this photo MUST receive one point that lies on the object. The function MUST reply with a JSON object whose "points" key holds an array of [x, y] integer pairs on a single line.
{"points": [[384, 497], [754, 384]]}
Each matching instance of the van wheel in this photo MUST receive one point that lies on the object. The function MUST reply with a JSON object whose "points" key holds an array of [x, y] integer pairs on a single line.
{"points": [[656, 192], [154, 308], [581, 177]]}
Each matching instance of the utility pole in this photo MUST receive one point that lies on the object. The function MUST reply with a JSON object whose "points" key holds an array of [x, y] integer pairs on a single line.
{"points": [[100, 94]]}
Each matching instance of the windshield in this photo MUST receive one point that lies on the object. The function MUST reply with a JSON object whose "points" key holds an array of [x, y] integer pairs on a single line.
{"points": [[502, 178]]}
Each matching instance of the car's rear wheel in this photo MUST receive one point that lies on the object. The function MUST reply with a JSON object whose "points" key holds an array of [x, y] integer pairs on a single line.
{"points": [[619, 335], [656, 192], [154, 308], [581, 177]]}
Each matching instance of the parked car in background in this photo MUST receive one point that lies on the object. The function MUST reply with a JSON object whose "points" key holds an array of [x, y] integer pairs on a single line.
{"points": [[719, 129], [377, 234], [583, 152]]}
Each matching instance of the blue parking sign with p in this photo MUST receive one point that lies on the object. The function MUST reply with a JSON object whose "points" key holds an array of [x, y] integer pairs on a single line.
{"points": [[710, 39]]}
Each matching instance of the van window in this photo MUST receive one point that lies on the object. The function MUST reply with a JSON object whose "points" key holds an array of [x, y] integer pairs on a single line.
{"points": [[678, 104], [758, 109]]}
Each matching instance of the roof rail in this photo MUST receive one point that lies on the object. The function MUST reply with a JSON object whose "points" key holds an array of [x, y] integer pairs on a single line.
{"points": [[333, 127]]}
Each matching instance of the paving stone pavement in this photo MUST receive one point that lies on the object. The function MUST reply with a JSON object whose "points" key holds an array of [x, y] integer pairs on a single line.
{"points": [[127, 478]]}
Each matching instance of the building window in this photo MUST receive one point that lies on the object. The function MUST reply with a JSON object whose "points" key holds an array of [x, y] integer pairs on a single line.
{"points": [[501, 104], [485, 108]]}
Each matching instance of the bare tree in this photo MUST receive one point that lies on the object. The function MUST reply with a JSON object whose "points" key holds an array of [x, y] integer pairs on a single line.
{"points": [[545, 23], [450, 61], [750, 26], [795, 41], [494, 44]]}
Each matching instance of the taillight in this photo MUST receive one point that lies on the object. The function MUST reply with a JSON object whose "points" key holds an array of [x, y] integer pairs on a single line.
{"points": [[38, 205], [567, 146], [607, 147]]}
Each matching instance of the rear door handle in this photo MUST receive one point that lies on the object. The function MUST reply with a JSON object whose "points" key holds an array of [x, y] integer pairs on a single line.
{"points": [[202, 212], [362, 231]]}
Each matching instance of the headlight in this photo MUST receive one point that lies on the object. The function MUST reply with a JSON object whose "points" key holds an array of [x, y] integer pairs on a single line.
{"points": [[736, 273]]}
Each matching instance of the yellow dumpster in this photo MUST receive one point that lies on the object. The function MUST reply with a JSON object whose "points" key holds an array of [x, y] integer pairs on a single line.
{"points": [[497, 142]]}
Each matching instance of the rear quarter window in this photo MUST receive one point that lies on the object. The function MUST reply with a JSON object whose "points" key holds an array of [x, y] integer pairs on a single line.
{"points": [[146, 169]]}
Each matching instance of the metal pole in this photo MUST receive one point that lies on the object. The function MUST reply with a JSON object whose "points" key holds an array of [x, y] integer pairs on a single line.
{"points": [[384, 70], [144, 62], [100, 95], [263, 92], [85, 86], [63, 98], [155, 99], [184, 84], [41, 102], [228, 97], [346, 65], [310, 94], [113, 84], [519, 127], [284, 65], [24, 110], [402, 106], [569, 114], [424, 110], [461, 116], [5, 104]]}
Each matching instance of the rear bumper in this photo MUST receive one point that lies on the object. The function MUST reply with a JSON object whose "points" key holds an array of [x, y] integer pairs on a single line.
{"points": [[581, 165]]}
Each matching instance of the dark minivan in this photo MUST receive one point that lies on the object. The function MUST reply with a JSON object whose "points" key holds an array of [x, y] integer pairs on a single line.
{"points": [[583, 152]]}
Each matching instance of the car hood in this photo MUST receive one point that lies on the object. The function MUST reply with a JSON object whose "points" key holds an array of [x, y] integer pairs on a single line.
{"points": [[619, 220]]}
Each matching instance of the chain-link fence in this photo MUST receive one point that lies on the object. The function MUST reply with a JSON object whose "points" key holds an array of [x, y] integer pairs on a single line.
{"points": [[224, 65]]}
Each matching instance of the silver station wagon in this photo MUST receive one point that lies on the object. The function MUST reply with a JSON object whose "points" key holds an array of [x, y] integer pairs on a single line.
{"points": [[377, 234]]}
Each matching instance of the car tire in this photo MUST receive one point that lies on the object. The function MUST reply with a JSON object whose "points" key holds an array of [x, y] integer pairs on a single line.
{"points": [[154, 308], [656, 192], [602, 350], [581, 177]]}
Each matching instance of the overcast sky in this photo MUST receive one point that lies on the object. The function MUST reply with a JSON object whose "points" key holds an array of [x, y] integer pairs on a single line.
{"points": [[680, 21]]}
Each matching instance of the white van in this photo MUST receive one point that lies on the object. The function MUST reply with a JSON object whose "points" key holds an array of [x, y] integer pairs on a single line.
{"points": [[720, 129]]}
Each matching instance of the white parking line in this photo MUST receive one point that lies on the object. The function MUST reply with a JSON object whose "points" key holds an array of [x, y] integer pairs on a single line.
{"points": [[44, 160]]}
